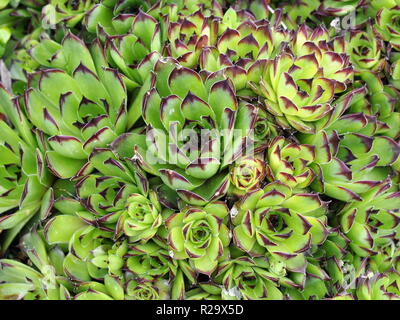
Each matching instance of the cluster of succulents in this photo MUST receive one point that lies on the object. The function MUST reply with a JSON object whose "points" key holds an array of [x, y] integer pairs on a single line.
{"points": [[199, 149]]}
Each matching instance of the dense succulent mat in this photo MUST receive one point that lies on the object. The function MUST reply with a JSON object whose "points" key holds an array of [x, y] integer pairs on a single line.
{"points": [[199, 149]]}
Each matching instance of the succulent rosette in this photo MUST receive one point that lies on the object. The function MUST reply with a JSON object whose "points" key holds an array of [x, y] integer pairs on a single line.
{"points": [[300, 83], [110, 16], [141, 218], [387, 26], [264, 129], [379, 286], [348, 165], [248, 279], [219, 42], [254, 278], [346, 179], [378, 111], [147, 290], [374, 6], [102, 210], [92, 252], [374, 222], [365, 50], [340, 266], [332, 271], [133, 45], [150, 261], [112, 197], [246, 174], [148, 280], [199, 234], [314, 284], [195, 130], [44, 279], [24, 177], [187, 37], [276, 221], [386, 259], [350, 157], [241, 42], [78, 109], [289, 162]]}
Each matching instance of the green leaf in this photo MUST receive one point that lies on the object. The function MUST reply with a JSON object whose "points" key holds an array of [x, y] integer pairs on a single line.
{"points": [[76, 53], [99, 15], [183, 80], [222, 96], [75, 268], [72, 145], [61, 166], [144, 27], [303, 202], [60, 229]]}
